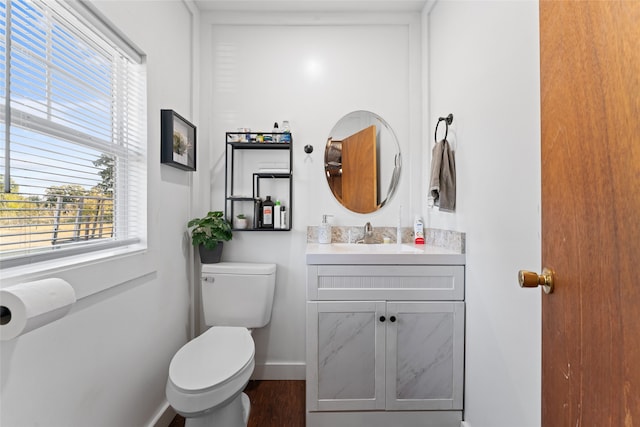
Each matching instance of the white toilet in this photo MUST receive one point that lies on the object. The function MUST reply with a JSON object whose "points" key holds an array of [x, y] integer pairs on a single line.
{"points": [[207, 375]]}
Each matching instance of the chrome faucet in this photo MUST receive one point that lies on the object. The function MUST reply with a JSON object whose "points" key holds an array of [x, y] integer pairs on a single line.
{"points": [[368, 233], [367, 236]]}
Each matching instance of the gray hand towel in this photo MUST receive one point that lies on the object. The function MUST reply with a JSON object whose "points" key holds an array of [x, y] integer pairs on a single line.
{"points": [[442, 185], [434, 181]]}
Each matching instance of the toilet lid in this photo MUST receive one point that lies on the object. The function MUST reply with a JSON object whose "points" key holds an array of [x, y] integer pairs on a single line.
{"points": [[212, 358]]}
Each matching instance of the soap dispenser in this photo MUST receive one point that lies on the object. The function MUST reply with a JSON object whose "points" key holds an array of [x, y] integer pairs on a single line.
{"points": [[324, 230]]}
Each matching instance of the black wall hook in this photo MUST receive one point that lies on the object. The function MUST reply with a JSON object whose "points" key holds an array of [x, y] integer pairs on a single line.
{"points": [[447, 120]]}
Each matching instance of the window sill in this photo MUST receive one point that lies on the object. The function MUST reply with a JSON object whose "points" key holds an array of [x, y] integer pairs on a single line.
{"points": [[90, 273]]}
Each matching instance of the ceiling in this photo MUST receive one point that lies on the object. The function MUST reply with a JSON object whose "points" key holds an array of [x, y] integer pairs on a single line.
{"points": [[312, 5]]}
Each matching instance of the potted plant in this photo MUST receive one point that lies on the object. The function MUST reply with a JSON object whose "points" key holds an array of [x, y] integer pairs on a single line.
{"points": [[241, 222], [208, 235]]}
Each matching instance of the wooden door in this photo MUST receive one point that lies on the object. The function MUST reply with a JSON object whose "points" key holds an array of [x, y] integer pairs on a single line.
{"points": [[590, 95], [359, 171]]}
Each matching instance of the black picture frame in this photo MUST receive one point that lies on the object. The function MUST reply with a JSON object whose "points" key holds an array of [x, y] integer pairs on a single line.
{"points": [[178, 141]]}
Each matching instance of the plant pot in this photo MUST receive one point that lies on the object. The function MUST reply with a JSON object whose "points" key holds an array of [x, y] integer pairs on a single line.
{"points": [[210, 256], [241, 223]]}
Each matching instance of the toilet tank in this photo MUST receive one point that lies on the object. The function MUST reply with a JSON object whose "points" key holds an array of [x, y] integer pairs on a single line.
{"points": [[238, 294]]}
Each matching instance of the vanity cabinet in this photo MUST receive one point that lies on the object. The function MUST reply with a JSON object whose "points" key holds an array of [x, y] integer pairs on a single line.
{"points": [[242, 173], [385, 345], [345, 355]]}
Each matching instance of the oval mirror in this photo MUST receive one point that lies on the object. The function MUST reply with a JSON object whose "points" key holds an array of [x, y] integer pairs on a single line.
{"points": [[362, 161]]}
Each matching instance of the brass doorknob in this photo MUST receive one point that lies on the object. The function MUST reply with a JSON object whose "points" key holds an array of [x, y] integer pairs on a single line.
{"points": [[529, 279]]}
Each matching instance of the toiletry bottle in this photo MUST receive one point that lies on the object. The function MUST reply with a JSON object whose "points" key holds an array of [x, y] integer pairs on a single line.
{"points": [[257, 213], [283, 218], [286, 132], [418, 231], [324, 230], [276, 215], [275, 138], [267, 213]]}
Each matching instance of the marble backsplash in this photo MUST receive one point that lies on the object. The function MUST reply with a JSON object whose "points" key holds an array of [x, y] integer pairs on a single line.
{"points": [[453, 240]]}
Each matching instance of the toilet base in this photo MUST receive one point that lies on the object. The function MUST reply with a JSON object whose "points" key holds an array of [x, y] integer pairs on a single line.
{"points": [[233, 414]]}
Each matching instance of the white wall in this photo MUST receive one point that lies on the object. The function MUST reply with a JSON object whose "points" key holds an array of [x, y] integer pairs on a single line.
{"points": [[106, 362], [483, 67], [310, 69], [478, 60]]}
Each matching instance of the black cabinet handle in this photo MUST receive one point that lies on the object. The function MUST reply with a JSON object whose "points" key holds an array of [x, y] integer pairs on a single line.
{"points": [[392, 318], [382, 318]]}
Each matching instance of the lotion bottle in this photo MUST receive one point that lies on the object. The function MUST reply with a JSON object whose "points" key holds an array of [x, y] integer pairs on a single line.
{"points": [[324, 231], [276, 215], [418, 231]]}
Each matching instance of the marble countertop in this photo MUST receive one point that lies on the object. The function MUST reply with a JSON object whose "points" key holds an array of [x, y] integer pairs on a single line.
{"points": [[389, 254]]}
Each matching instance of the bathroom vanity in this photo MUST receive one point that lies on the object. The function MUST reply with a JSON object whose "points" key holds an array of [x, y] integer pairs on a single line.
{"points": [[385, 335]]}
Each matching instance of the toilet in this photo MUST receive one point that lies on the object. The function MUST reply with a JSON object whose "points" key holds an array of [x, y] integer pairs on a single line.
{"points": [[208, 374]]}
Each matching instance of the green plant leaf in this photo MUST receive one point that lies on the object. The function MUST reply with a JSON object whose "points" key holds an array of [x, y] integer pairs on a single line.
{"points": [[210, 230]]}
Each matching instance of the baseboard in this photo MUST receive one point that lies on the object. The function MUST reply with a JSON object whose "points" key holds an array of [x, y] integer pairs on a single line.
{"points": [[163, 418], [385, 419], [280, 371]]}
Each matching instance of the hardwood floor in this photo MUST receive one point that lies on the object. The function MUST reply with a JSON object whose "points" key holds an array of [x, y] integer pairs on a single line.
{"points": [[273, 404]]}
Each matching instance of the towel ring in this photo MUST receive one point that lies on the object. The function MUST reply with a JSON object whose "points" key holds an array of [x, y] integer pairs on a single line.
{"points": [[447, 120]]}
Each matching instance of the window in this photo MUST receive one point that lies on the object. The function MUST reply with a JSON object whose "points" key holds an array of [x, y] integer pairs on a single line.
{"points": [[73, 124]]}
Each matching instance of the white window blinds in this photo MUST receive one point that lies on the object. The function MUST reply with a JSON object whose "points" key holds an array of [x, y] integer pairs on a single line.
{"points": [[73, 159]]}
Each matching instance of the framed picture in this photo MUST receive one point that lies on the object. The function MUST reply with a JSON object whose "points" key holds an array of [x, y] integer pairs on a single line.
{"points": [[178, 139]]}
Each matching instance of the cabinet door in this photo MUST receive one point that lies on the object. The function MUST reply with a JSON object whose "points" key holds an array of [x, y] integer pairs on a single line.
{"points": [[425, 355], [345, 355]]}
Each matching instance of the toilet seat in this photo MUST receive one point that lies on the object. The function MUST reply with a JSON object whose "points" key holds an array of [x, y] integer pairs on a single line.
{"points": [[211, 359], [210, 369]]}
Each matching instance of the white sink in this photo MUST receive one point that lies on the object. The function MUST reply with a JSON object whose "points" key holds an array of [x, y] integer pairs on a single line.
{"points": [[389, 253], [376, 248]]}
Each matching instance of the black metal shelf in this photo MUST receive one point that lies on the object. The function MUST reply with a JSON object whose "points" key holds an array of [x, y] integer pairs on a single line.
{"points": [[271, 175], [234, 142], [260, 145], [240, 199], [261, 229]]}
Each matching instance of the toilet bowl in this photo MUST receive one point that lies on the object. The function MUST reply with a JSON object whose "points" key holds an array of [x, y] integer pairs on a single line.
{"points": [[208, 374], [210, 371]]}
